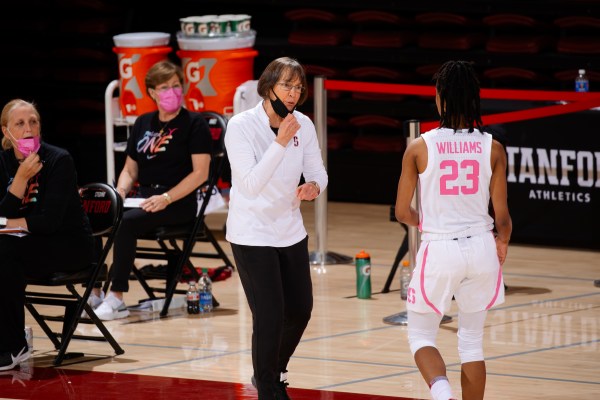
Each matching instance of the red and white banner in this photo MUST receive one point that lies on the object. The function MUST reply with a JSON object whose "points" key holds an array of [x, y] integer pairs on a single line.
{"points": [[553, 155]]}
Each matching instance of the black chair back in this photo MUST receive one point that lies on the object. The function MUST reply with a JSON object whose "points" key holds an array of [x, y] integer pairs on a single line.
{"points": [[217, 124], [103, 206], [104, 209]]}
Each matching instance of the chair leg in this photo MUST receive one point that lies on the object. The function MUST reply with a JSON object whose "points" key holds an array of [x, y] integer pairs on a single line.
{"points": [[97, 322], [105, 332], [399, 255], [42, 323], [218, 248], [107, 336], [173, 275], [168, 296], [138, 274], [107, 281], [193, 271], [71, 319]]}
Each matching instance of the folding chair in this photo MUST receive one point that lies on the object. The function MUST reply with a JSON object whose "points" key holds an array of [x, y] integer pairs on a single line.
{"points": [[402, 251], [176, 243], [104, 208]]}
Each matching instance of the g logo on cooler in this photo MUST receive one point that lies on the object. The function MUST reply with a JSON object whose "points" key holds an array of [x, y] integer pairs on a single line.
{"points": [[125, 67]]}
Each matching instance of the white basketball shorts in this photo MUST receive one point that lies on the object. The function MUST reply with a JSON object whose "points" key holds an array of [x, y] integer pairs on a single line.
{"points": [[466, 268]]}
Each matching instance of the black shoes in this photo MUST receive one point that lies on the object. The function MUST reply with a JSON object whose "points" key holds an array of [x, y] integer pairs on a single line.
{"points": [[10, 360], [279, 388], [262, 393]]}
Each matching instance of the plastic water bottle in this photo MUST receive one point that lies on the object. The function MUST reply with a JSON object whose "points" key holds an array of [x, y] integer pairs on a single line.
{"points": [[363, 275], [29, 337], [206, 298], [193, 299], [582, 83], [405, 275]]}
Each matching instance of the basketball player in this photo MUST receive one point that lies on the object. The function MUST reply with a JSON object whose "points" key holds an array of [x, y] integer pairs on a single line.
{"points": [[458, 169]]}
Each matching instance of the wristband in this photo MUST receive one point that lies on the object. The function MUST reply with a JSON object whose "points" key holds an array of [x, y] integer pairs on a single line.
{"points": [[167, 197]]}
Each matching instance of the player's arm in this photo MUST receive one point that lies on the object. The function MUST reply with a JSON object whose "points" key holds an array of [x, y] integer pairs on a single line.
{"points": [[498, 194], [407, 184]]}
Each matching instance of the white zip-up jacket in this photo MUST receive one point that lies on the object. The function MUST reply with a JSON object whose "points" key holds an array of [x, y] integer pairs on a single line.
{"points": [[263, 207]]}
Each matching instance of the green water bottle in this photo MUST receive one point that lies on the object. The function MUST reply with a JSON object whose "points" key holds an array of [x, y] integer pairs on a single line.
{"points": [[363, 275]]}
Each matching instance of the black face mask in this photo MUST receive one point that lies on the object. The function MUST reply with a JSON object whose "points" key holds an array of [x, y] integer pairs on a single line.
{"points": [[280, 108]]}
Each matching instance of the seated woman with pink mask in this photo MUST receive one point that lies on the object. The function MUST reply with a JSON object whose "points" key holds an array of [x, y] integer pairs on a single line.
{"points": [[168, 158], [39, 195]]}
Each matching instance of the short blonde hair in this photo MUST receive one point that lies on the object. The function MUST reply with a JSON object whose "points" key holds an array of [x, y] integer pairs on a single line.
{"points": [[4, 117]]}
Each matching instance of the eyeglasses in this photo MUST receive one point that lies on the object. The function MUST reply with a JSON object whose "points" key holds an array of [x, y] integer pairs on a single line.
{"points": [[163, 88], [288, 88]]}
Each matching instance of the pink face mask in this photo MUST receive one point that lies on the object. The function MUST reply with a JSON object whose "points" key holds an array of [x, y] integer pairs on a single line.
{"points": [[170, 99], [27, 146]]}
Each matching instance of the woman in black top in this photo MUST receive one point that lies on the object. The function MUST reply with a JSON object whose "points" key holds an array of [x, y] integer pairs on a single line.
{"points": [[168, 154], [38, 193]]}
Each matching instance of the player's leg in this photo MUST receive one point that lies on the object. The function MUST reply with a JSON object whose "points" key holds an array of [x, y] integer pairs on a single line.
{"points": [[482, 289], [470, 350], [472, 379], [422, 333]]}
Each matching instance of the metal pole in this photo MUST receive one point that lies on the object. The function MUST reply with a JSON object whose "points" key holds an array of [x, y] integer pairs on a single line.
{"points": [[110, 132], [321, 256], [320, 113], [414, 236]]}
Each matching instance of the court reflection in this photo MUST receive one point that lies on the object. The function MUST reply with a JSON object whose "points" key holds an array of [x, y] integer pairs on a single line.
{"points": [[28, 382]]}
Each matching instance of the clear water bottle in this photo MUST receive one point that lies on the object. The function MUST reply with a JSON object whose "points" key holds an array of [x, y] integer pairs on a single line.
{"points": [[193, 299], [29, 337], [582, 83], [206, 297], [405, 275]]}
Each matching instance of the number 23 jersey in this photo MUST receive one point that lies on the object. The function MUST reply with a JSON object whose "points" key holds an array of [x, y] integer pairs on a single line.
{"points": [[454, 189]]}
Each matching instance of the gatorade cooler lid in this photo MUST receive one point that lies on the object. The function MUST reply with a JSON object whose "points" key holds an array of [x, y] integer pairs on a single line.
{"points": [[238, 41], [142, 39]]}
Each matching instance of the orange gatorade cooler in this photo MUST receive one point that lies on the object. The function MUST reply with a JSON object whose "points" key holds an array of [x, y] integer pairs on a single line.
{"points": [[137, 52], [214, 68]]}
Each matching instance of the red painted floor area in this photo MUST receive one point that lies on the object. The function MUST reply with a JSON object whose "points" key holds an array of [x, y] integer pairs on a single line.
{"points": [[55, 383]]}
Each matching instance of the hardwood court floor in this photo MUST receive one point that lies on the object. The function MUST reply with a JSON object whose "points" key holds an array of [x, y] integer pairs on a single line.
{"points": [[542, 343]]}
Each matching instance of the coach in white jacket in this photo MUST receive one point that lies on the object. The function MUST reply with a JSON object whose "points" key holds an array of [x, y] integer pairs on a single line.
{"points": [[272, 148]]}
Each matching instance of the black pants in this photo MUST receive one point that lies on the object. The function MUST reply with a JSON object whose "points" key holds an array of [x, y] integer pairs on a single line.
{"points": [[33, 256], [137, 222], [278, 288]]}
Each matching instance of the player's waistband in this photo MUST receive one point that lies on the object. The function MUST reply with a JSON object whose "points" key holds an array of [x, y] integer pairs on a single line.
{"points": [[472, 231]]}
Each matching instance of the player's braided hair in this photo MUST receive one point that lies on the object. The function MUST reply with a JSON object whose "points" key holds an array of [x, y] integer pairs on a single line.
{"points": [[458, 89]]}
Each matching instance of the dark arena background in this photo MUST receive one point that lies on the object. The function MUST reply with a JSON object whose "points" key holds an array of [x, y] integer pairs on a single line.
{"points": [[378, 58]]}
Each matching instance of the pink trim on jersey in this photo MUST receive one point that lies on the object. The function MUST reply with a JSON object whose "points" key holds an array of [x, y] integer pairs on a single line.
{"points": [[422, 281], [497, 287]]}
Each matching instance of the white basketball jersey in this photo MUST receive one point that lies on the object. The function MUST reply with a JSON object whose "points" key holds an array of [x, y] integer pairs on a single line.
{"points": [[454, 189]]}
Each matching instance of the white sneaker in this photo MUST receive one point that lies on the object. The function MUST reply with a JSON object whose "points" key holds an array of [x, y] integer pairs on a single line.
{"points": [[93, 301], [9, 361], [111, 308]]}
